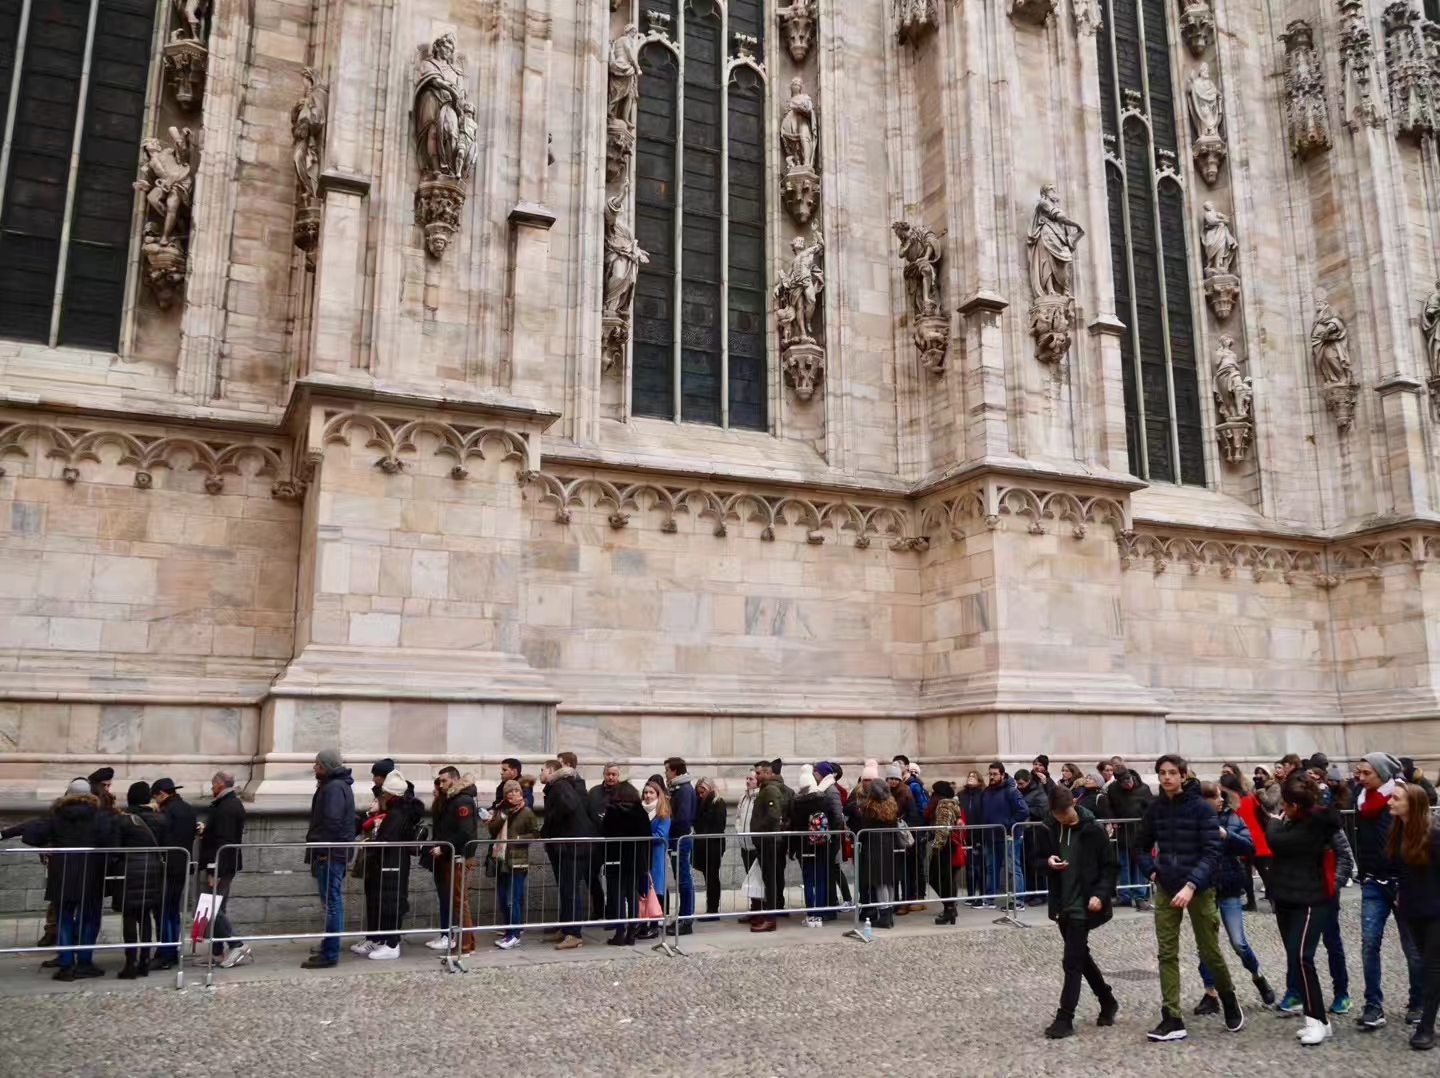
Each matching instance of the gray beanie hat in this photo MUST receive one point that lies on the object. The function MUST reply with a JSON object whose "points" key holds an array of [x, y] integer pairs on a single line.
{"points": [[877, 790], [1385, 765], [892, 771], [329, 759]]}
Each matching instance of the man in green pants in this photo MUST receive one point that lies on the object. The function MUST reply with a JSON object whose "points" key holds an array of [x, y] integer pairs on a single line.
{"points": [[1179, 849]]}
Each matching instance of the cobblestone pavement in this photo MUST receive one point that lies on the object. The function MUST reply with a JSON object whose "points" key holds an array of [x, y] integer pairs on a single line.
{"points": [[918, 1001]]}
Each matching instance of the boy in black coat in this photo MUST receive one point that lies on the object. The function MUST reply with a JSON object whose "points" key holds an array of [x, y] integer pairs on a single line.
{"points": [[1083, 869]]}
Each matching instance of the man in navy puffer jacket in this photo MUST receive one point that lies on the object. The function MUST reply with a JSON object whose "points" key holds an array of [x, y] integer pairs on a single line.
{"points": [[1179, 848], [1003, 804]]}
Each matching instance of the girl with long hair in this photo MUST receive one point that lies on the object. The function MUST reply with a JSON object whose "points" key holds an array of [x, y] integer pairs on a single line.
{"points": [[1413, 847]]}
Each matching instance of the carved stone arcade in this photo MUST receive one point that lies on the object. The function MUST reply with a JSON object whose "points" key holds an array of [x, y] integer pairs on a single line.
{"points": [[929, 325], [445, 143], [1410, 65], [1197, 26], [797, 21], [1359, 104], [167, 179], [1233, 402], [1306, 114]]}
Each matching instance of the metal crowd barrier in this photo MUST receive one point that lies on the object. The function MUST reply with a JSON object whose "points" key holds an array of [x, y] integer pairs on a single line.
{"points": [[140, 884], [384, 885], [569, 885]]}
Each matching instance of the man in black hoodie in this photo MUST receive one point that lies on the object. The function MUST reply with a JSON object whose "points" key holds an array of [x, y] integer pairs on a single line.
{"points": [[332, 819], [181, 824], [567, 816]]}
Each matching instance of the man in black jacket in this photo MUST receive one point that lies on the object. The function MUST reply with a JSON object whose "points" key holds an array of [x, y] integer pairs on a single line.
{"points": [[224, 826], [332, 819], [567, 816], [180, 828], [683, 808], [458, 825], [1127, 798]]}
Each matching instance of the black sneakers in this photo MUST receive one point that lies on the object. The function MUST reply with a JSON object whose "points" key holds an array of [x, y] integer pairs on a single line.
{"points": [[1234, 1016], [1170, 1028], [1422, 1040], [1063, 1026], [1267, 994], [1207, 1005], [1412, 1016], [1371, 1018], [1109, 1008]]}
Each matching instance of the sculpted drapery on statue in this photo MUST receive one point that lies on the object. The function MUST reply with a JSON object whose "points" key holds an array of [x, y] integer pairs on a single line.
{"points": [[624, 88], [798, 290], [930, 329], [1206, 108], [445, 142], [1330, 352], [1218, 241], [1430, 326], [797, 129], [1233, 400], [1053, 239], [307, 134], [167, 179], [623, 257]]}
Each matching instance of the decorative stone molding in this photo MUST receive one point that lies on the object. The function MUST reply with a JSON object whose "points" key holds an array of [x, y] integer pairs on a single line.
{"points": [[797, 296], [1359, 104], [144, 451], [1052, 240], [797, 23], [1031, 12], [1197, 26], [1306, 114], [1223, 557], [445, 142], [1234, 401], [992, 502], [393, 436], [1207, 114], [804, 366], [721, 508], [167, 179], [930, 329], [1410, 63], [1330, 353], [307, 141], [915, 20], [800, 188]]}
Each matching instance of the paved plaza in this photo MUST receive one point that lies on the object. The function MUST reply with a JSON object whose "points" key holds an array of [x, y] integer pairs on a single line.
{"points": [[919, 1001]]}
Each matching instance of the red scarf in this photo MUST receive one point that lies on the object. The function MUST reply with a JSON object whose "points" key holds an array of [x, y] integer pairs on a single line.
{"points": [[1373, 805]]}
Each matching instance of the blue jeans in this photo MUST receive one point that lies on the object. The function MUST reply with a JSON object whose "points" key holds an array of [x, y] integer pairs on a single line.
{"points": [[812, 876], [330, 882], [71, 929], [170, 921], [510, 898], [1378, 903], [685, 851], [1232, 916], [1133, 885], [995, 869]]}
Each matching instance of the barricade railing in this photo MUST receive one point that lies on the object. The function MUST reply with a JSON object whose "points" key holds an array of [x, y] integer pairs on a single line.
{"points": [[1132, 886], [563, 886], [383, 892], [764, 876], [900, 869], [85, 894]]}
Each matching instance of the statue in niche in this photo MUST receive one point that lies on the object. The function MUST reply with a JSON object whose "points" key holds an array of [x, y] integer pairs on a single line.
{"points": [[920, 249], [798, 291], [1219, 242], [1430, 326], [307, 133], [1233, 392], [624, 89], [192, 14], [1206, 106], [1053, 239], [623, 258], [1328, 348], [797, 129], [445, 126], [166, 179]]}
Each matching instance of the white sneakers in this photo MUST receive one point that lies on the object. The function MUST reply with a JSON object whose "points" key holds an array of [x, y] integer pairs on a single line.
{"points": [[1315, 1031], [505, 943], [237, 956], [814, 922], [439, 943], [382, 953], [363, 948]]}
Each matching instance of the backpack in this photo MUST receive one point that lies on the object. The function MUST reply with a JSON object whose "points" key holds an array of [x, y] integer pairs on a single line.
{"points": [[819, 829]]}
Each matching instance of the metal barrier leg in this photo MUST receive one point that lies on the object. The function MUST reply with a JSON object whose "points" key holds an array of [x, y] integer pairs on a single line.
{"points": [[669, 942], [1010, 916]]}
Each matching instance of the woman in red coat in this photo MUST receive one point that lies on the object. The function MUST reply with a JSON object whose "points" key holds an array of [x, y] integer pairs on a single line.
{"points": [[1254, 815]]}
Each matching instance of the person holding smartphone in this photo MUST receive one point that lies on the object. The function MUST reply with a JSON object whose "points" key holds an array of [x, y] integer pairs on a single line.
{"points": [[1083, 871]]}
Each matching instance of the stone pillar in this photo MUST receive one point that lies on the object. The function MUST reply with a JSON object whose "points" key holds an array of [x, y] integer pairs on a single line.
{"points": [[1403, 412]]}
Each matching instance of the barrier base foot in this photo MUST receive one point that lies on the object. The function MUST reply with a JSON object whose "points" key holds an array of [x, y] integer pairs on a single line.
{"points": [[1012, 920], [669, 950], [453, 964]]}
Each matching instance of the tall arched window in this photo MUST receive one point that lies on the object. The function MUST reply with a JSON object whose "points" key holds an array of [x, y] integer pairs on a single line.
{"points": [[1147, 244], [73, 78], [700, 302]]}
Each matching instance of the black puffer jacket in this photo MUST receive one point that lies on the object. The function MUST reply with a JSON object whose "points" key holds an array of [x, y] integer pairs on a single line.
{"points": [[75, 821], [458, 822], [1302, 866], [140, 880], [332, 816], [1179, 840], [567, 814], [179, 825], [389, 866], [710, 833], [1123, 804], [626, 829]]}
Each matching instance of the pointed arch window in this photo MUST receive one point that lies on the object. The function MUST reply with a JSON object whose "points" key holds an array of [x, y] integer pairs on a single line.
{"points": [[73, 81], [699, 339], [1148, 254]]}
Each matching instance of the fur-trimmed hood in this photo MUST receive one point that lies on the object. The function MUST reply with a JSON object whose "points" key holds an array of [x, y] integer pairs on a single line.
{"points": [[74, 806], [885, 810]]}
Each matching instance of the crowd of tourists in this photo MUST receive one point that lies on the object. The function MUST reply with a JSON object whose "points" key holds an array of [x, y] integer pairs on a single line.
{"points": [[1092, 839]]}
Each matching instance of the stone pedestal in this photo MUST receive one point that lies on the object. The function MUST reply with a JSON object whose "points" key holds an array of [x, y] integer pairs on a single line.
{"points": [[1209, 153], [1052, 321], [804, 364], [1235, 437], [438, 204], [1340, 400], [185, 62], [801, 193], [932, 339], [1221, 292]]}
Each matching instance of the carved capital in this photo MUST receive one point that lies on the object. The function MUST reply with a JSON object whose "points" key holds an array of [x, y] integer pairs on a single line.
{"points": [[185, 63], [804, 366], [1197, 26], [800, 192], [1052, 324], [1221, 292], [439, 202], [1209, 154]]}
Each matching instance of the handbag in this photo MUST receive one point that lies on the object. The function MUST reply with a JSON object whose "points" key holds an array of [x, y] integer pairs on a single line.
{"points": [[754, 885], [907, 838], [650, 908]]}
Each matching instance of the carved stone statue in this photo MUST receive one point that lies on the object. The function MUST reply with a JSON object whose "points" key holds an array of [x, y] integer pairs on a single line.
{"points": [[441, 138], [445, 142], [797, 129], [623, 258], [1206, 109], [1052, 240], [624, 90], [930, 330], [798, 19], [185, 55], [1218, 241], [1430, 326], [1305, 111], [1197, 26], [307, 134], [194, 16], [1233, 400], [798, 290], [1330, 353], [167, 179]]}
